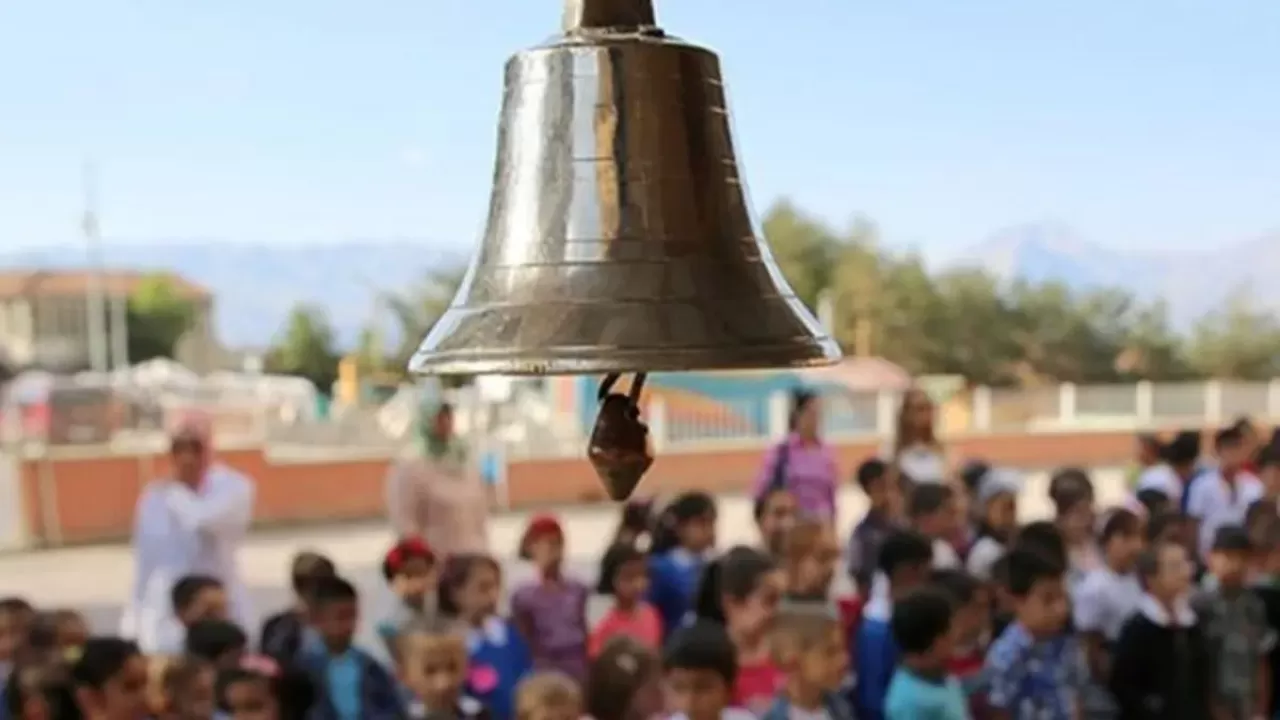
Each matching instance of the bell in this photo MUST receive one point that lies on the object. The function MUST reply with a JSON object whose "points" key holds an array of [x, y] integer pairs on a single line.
{"points": [[619, 236]]}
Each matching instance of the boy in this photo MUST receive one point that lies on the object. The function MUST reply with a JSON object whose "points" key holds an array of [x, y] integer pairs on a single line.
{"points": [[199, 597], [1034, 669], [932, 512], [409, 568], [1269, 474], [701, 667], [922, 687], [1104, 601], [1222, 496], [883, 499], [1266, 585], [282, 633], [220, 643], [349, 683], [1234, 621], [1161, 665], [433, 666], [809, 648], [970, 626], [905, 560], [809, 556], [16, 618]]}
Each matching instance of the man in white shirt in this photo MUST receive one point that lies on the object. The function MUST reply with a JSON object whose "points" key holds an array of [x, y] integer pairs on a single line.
{"points": [[1222, 496], [191, 523]]}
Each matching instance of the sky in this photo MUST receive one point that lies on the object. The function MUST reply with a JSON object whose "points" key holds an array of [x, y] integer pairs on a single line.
{"points": [[1143, 124]]}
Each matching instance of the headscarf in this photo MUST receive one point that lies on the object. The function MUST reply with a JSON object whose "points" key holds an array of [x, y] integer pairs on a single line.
{"points": [[436, 446]]}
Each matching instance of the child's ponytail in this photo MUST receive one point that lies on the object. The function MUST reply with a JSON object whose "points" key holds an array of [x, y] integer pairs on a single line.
{"points": [[735, 575], [687, 506], [707, 602]]}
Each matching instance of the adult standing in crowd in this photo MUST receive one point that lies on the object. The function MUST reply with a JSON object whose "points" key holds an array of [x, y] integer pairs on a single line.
{"points": [[802, 463], [916, 453], [190, 523], [435, 493]]}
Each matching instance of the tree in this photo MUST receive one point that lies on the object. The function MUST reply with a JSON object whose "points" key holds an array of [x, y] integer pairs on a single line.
{"points": [[306, 348], [1238, 341], [416, 310], [158, 316]]}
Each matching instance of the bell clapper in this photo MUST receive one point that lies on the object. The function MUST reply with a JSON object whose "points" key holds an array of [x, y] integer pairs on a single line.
{"points": [[619, 449]]}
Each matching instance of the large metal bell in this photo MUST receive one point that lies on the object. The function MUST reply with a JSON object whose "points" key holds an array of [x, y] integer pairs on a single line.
{"points": [[619, 236]]}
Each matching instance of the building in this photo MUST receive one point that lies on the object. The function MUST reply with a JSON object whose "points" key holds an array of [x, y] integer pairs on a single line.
{"points": [[44, 318]]}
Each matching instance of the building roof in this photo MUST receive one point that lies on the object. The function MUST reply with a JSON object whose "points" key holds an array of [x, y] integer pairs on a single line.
{"points": [[49, 283]]}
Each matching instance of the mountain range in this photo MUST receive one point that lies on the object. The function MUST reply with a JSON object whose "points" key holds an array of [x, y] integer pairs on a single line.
{"points": [[256, 284]]}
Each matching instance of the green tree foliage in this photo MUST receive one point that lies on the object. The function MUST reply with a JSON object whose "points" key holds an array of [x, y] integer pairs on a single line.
{"points": [[158, 316], [306, 347], [416, 309]]}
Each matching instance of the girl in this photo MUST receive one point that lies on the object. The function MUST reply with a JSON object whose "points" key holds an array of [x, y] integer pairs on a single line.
{"points": [[188, 690], [624, 683], [111, 680], [410, 569], [775, 514], [809, 559], [996, 499], [497, 654], [259, 690], [624, 574], [1072, 494], [916, 453], [742, 591], [803, 463], [686, 532], [551, 612], [548, 696], [39, 690]]}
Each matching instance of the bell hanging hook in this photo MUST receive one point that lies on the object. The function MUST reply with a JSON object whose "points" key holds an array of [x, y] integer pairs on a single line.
{"points": [[586, 15], [620, 448]]}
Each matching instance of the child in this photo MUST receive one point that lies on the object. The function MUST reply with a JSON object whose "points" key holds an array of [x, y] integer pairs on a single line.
{"points": [[1221, 497], [252, 693], [1154, 502], [1001, 601], [110, 680], [281, 635], [741, 592], [624, 574], [433, 665], [409, 567], [497, 654], [970, 630], [996, 498], [922, 687], [194, 598], [635, 524], [1234, 621], [1269, 474], [809, 559], [775, 513], [551, 612], [1106, 598], [933, 513], [348, 682], [884, 498], [624, 682], [548, 696], [219, 642], [1266, 585], [1072, 494], [16, 618], [809, 648], [61, 632], [38, 689], [1034, 669], [188, 689], [905, 560], [701, 668], [686, 533], [1162, 665]]}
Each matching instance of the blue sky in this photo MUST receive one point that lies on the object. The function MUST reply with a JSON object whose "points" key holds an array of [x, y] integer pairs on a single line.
{"points": [[1142, 124]]}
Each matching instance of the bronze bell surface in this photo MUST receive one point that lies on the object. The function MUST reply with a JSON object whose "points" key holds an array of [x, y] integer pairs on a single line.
{"points": [[619, 236]]}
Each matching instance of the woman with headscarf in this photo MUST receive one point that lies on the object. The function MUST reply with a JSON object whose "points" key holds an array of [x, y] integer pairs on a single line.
{"points": [[803, 464], [189, 523], [435, 494]]}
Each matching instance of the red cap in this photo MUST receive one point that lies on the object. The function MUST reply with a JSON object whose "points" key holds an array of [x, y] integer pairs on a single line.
{"points": [[406, 549], [539, 526]]}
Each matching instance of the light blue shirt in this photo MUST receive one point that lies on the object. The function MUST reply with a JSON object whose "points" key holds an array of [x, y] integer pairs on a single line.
{"points": [[912, 697], [342, 676]]}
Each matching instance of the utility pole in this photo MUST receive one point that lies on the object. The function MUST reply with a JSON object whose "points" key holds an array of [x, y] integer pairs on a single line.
{"points": [[95, 296]]}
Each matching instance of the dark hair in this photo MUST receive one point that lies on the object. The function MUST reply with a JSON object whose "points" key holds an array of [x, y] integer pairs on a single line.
{"points": [[294, 693], [636, 518], [686, 507], [801, 399], [704, 645], [920, 619], [617, 673], [1148, 565], [306, 567], [615, 558], [959, 585], [1231, 539], [1044, 537], [761, 502], [1260, 512], [188, 588], [1157, 525], [1120, 522], [1227, 437], [332, 589], [1155, 501], [1028, 566], [211, 639], [1068, 487], [736, 574], [929, 498], [1151, 441], [457, 571], [15, 604], [973, 473], [1000, 571], [44, 678], [1269, 455], [1183, 449], [101, 659], [901, 549], [872, 470]]}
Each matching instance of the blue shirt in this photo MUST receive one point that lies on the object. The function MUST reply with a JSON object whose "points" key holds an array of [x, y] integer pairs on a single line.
{"points": [[912, 697], [673, 579], [499, 659], [1034, 678], [342, 683]]}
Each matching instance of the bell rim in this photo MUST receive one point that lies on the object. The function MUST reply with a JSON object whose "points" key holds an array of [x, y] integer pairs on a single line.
{"points": [[819, 352]]}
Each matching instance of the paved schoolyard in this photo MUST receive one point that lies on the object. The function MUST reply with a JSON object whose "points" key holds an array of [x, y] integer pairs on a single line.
{"points": [[95, 580]]}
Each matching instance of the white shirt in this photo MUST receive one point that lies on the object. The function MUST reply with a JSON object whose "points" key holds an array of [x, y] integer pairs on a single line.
{"points": [[944, 556], [1162, 478], [725, 714], [1104, 600], [177, 532], [921, 463], [1214, 503], [982, 556]]}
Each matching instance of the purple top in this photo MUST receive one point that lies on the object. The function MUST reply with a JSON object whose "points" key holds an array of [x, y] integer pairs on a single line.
{"points": [[811, 475], [554, 619]]}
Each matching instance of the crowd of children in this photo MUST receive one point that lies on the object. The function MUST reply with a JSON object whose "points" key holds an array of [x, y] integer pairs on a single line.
{"points": [[1166, 607]]}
